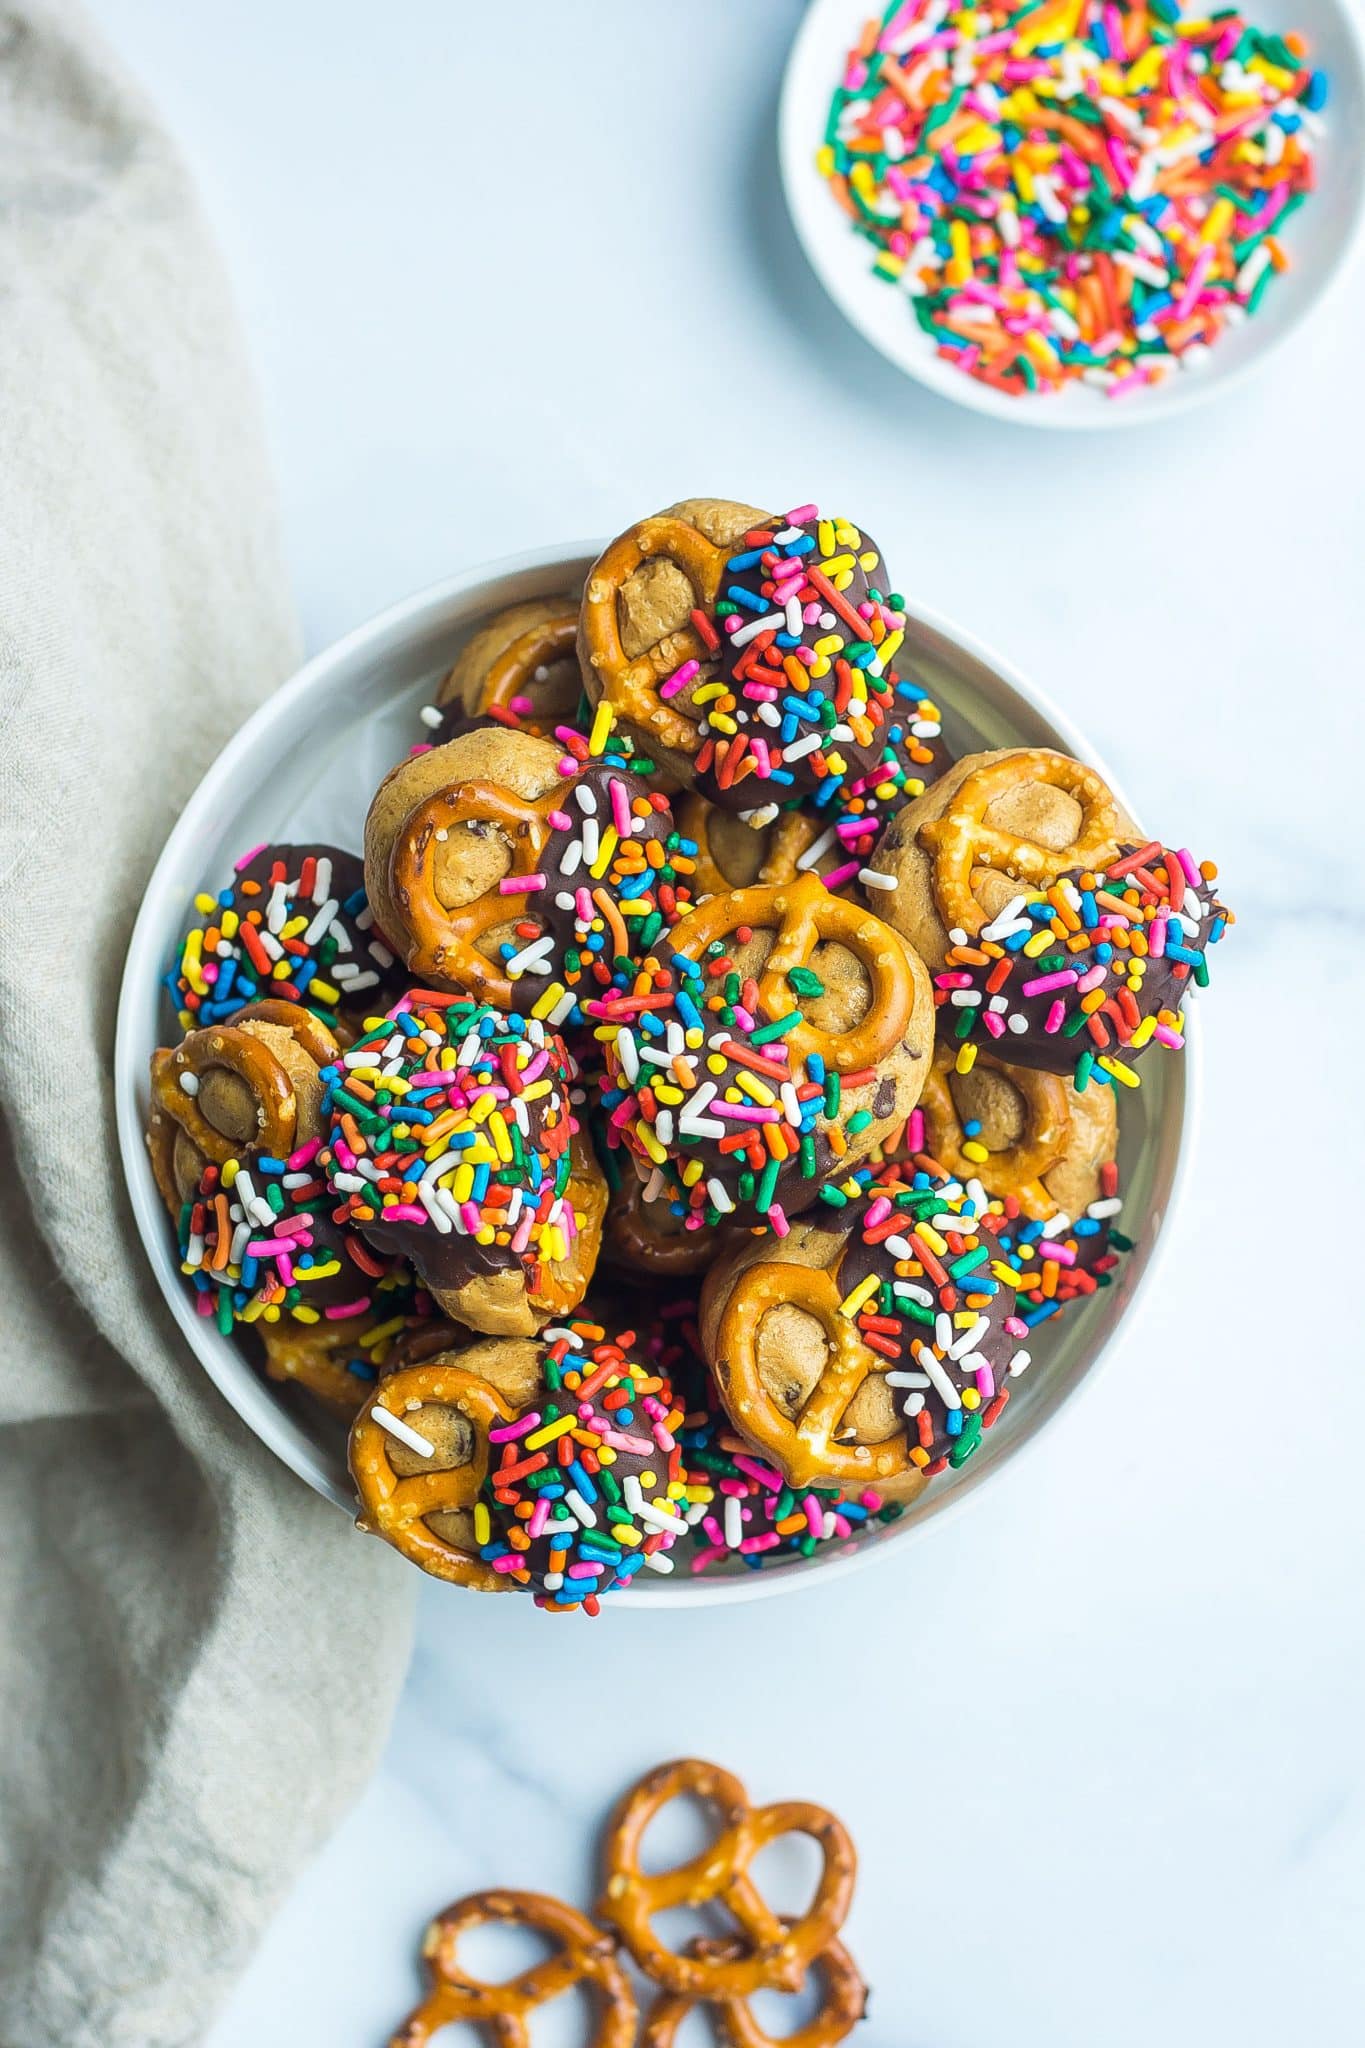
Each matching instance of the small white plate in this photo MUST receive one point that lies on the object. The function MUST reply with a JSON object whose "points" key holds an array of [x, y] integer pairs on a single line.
{"points": [[1320, 238], [305, 766]]}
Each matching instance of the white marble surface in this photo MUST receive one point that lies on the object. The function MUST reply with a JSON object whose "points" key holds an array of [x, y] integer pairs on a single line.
{"points": [[519, 274]]}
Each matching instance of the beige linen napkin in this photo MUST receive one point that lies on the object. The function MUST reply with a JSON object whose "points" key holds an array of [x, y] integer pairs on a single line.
{"points": [[197, 1658]]}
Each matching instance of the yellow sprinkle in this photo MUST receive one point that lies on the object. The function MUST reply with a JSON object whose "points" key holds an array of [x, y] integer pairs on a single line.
{"points": [[1142, 1034], [609, 843], [603, 720], [1119, 1071], [548, 1434], [824, 536], [824, 159], [931, 1238], [483, 1523], [324, 992], [204, 904], [966, 1058], [1219, 221], [863, 1292], [1039, 943], [554, 994], [498, 1126], [974, 1150], [650, 1142]]}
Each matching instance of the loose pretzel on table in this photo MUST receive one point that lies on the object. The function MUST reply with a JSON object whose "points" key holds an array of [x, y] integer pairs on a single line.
{"points": [[631, 687], [775, 1953], [805, 1448], [583, 1955], [1019, 1169], [960, 841], [844, 2003], [808, 916], [396, 1507]]}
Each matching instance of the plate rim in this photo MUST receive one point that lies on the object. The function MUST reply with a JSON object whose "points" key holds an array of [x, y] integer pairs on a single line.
{"points": [[796, 169]]}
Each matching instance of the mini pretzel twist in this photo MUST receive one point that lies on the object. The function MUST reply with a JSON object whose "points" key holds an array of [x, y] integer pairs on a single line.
{"points": [[961, 842], [807, 916], [631, 687], [843, 2005], [1019, 1169], [784, 841], [397, 1508], [774, 1953], [806, 1447], [255, 1065], [444, 942], [314, 1356], [308, 1032], [510, 672], [583, 1956]]}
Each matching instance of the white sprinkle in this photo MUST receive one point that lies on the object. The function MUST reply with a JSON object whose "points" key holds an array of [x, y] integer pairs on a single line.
{"points": [[624, 1048], [429, 1196], [734, 1522], [762, 814], [1109, 1207], [907, 1379], [873, 878], [720, 1200], [585, 799], [580, 1508], [431, 715], [943, 1386], [969, 1339], [1005, 920], [532, 959], [821, 846], [1020, 1362], [404, 1431], [190, 1083], [659, 1560], [773, 622]]}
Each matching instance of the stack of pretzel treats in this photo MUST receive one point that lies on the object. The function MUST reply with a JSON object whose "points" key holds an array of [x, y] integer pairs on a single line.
{"points": [[671, 1140]]}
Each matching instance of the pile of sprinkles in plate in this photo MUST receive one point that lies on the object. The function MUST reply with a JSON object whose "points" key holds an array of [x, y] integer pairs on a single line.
{"points": [[1073, 190]]}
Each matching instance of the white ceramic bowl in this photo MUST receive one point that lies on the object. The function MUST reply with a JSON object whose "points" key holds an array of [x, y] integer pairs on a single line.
{"points": [[304, 767], [1320, 238]]}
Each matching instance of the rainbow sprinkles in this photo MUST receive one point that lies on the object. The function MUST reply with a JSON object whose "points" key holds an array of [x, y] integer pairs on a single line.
{"points": [[1073, 190]]}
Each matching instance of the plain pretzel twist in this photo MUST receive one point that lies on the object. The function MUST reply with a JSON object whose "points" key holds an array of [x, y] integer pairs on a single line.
{"points": [[842, 2006], [583, 1956], [775, 1953]]}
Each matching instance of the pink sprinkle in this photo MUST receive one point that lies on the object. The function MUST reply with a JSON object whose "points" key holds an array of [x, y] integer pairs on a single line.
{"points": [[836, 878], [777, 1217], [1164, 1035], [985, 1382], [1192, 874], [561, 821], [520, 885], [1043, 984], [1156, 939], [641, 1445], [344, 1309], [1015, 1326], [509, 1430], [994, 1023], [1093, 979], [914, 1130], [408, 1212], [585, 1571], [752, 1543], [764, 1474], [814, 1514], [540, 1515], [620, 807], [305, 1154], [700, 1559], [1050, 1249], [247, 858], [802, 514], [679, 679], [1056, 1016]]}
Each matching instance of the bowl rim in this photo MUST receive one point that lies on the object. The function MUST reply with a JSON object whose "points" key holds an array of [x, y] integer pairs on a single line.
{"points": [[237, 1381], [803, 189]]}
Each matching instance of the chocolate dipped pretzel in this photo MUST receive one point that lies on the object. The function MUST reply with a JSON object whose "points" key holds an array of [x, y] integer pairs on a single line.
{"points": [[516, 874], [773, 1039], [1052, 928], [872, 1344]]}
